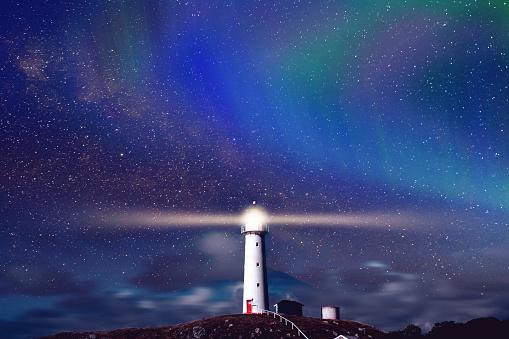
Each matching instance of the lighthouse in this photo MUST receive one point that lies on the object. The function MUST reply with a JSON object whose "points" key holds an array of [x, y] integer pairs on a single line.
{"points": [[254, 227]]}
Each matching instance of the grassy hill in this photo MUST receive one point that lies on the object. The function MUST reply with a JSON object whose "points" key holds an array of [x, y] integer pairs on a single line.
{"points": [[238, 326]]}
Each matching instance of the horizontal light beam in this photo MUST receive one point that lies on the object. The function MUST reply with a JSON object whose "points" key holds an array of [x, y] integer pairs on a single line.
{"points": [[331, 220], [177, 220]]}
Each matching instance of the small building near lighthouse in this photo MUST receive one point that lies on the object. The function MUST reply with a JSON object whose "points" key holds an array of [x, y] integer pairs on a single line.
{"points": [[289, 307]]}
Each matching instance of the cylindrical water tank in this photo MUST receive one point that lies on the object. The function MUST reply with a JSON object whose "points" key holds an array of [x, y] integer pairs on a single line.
{"points": [[330, 312]]}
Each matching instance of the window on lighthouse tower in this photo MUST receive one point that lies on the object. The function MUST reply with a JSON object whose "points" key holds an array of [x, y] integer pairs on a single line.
{"points": [[256, 244]]}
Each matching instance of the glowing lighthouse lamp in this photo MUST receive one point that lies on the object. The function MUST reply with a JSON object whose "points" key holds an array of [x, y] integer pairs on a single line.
{"points": [[254, 227]]}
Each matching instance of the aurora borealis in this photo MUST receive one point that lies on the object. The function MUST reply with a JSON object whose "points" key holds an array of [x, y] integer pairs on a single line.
{"points": [[357, 107]]}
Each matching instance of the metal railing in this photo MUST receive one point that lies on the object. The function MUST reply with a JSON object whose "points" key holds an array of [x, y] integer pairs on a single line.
{"points": [[281, 319]]}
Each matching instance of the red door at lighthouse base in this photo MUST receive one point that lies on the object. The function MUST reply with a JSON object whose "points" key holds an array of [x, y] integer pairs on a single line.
{"points": [[249, 306]]}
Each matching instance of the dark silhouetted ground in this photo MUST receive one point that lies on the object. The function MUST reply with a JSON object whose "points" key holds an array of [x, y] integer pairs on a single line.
{"points": [[263, 326], [481, 328], [238, 326]]}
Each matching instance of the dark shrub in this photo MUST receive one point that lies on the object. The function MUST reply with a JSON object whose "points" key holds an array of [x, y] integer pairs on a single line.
{"points": [[410, 332]]}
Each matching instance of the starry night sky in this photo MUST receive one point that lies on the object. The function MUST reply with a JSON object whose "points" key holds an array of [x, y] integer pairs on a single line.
{"points": [[305, 107]]}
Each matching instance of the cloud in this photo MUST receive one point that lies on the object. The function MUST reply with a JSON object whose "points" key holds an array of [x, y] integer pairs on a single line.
{"points": [[171, 273], [218, 257], [221, 245], [197, 296], [106, 310], [375, 264], [40, 280]]}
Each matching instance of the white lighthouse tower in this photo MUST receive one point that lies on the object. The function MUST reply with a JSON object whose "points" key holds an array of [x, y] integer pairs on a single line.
{"points": [[254, 228]]}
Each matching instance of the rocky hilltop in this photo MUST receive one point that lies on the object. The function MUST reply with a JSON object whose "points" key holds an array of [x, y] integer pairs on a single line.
{"points": [[239, 326], [262, 326]]}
